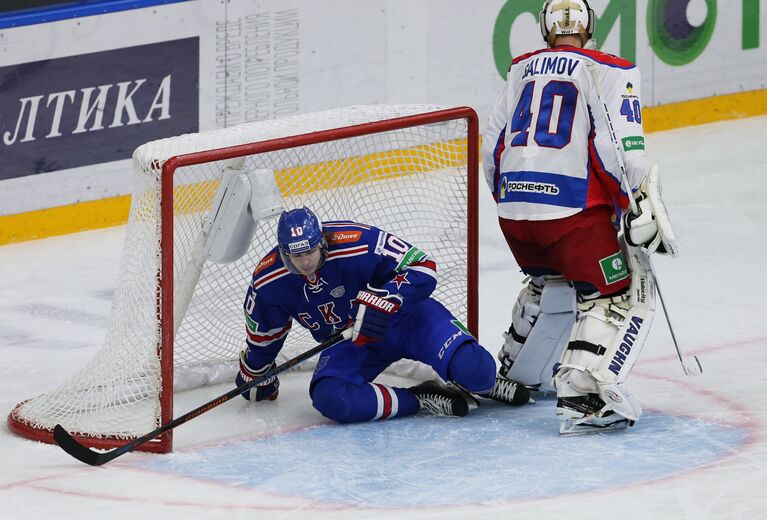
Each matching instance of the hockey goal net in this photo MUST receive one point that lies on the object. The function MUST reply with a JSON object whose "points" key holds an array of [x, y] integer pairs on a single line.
{"points": [[409, 169]]}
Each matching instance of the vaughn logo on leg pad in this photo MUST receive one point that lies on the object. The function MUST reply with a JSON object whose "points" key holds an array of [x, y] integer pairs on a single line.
{"points": [[614, 268], [624, 349]]}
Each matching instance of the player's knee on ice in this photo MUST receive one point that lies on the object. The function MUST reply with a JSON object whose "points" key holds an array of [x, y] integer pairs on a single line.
{"points": [[472, 367], [334, 399]]}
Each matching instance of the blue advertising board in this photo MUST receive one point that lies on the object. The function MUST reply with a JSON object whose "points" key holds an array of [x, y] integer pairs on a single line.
{"points": [[94, 108]]}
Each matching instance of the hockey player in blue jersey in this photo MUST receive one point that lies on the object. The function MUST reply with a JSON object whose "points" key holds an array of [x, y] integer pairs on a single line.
{"points": [[332, 275]]}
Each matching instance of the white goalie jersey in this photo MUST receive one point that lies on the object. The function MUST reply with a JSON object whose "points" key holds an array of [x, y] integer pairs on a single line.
{"points": [[547, 151]]}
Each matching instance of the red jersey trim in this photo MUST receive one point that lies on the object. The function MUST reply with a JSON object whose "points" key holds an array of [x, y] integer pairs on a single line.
{"points": [[349, 251], [279, 273], [262, 340], [600, 57], [428, 264], [344, 225]]}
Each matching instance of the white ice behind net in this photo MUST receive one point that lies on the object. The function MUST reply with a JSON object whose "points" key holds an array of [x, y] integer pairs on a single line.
{"points": [[411, 182]]}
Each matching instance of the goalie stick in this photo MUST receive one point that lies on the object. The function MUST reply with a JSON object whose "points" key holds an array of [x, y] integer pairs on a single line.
{"points": [[690, 369], [96, 458]]}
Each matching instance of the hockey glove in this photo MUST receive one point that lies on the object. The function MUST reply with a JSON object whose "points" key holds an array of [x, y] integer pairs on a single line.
{"points": [[268, 389], [376, 307], [651, 228], [641, 230]]}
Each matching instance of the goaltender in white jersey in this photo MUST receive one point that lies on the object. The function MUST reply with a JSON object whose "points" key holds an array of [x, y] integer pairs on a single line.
{"points": [[562, 151], [551, 111]]}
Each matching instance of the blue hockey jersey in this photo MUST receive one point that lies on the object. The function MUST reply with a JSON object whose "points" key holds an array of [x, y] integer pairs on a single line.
{"points": [[357, 255]]}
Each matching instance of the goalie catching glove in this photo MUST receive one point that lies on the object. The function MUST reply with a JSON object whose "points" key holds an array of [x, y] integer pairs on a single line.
{"points": [[266, 390], [376, 307], [651, 228]]}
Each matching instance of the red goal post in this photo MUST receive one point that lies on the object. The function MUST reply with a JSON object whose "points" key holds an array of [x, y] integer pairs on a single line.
{"points": [[409, 169]]}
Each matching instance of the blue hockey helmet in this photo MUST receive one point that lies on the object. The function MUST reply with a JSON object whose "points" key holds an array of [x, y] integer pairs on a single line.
{"points": [[298, 231]]}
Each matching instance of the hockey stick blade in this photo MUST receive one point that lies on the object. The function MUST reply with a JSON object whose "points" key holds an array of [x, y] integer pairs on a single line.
{"points": [[688, 367], [80, 452], [693, 369], [95, 458]]}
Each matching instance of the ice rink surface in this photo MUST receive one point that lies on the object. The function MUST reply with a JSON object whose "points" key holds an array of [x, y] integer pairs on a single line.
{"points": [[699, 452]]}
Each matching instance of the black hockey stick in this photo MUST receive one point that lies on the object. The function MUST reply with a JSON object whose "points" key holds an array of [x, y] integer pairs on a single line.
{"points": [[96, 458]]}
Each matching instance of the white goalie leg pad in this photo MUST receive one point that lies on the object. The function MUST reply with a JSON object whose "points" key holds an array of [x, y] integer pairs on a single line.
{"points": [[523, 317], [243, 199], [534, 363], [608, 336]]}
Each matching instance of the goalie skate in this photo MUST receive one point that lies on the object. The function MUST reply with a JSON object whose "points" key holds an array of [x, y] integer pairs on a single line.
{"points": [[507, 391], [584, 415], [435, 398]]}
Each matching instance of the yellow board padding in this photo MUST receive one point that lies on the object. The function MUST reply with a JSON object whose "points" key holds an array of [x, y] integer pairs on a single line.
{"points": [[62, 220], [113, 211], [706, 110], [196, 197], [372, 167], [326, 175]]}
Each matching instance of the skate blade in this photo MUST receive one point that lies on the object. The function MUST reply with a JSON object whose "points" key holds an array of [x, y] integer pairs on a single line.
{"points": [[569, 428], [471, 401]]}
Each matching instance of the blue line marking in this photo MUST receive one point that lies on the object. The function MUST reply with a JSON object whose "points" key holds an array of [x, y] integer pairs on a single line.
{"points": [[497, 454], [74, 10]]}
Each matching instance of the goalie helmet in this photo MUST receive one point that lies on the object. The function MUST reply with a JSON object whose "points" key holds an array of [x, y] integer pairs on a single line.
{"points": [[561, 17], [299, 231]]}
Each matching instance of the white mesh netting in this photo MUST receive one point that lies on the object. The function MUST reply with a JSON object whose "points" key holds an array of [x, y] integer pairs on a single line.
{"points": [[412, 182]]}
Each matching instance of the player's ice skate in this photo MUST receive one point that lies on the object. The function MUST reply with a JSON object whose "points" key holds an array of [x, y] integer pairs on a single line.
{"points": [[507, 391], [435, 398], [582, 415]]}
